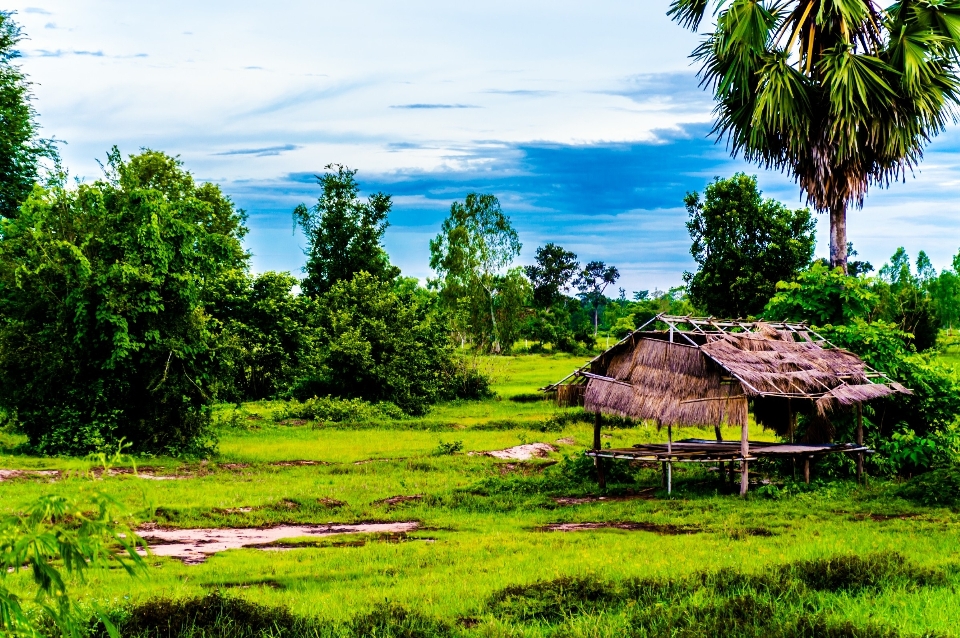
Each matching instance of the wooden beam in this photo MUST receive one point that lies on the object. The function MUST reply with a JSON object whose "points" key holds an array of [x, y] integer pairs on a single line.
{"points": [[744, 453], [860, 442], [601, 479], [669, 455]]}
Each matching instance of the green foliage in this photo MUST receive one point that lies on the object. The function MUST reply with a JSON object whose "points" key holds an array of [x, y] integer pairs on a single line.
{"points": [[592, 281], [59, 535], [212, 616], [446, 448], [772, 603], [743, 244], [471, 255], [840, 97], [267, 334], [380, 343], [336, 410], [938, 488], [21, 149], [552, 274], [822, 296], [104, 329], [906, 299], [344, 233]]}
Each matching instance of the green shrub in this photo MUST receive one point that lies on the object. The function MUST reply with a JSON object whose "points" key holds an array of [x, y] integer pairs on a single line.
{"points": [[104, 289], [940, 487], [447, 448], [337, 410]]}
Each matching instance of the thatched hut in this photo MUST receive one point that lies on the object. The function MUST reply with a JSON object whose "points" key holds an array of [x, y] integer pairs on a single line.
{"points": [[707, 372]]}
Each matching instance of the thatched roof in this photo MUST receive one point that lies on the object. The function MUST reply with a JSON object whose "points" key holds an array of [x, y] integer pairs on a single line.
{"points": [[708, 381]]}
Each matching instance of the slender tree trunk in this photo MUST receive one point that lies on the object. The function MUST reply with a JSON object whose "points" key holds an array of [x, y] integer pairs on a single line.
{"points": [[596, 322], [838, 236]]}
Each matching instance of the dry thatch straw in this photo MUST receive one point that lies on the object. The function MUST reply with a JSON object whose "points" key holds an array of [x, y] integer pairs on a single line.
{"points": [[672, 383]]}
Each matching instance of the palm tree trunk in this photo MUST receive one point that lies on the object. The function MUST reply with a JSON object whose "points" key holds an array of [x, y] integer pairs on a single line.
{"points": [[838, 236]]}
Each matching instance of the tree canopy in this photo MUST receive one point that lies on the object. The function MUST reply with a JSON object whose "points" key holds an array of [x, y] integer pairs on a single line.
{"points": [[839, 94], [743, 244], [471, 255], [344, 233], [552, 273], [104, 331], [21, 149]]}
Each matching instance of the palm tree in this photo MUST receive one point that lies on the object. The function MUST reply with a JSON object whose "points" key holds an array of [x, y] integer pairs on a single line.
{"points": [[840, 94]]}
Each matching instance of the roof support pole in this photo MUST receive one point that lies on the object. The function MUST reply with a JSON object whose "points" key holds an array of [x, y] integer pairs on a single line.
{"points": [[806, 470], [744, 453], [597, 463], [860, 442], [670, 457]]}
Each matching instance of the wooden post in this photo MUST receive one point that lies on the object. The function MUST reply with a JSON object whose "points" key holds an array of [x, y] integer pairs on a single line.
{"points": [[793, 431], [744, 453], [860, 442], [670, 456], [597, 462], [806, 470], [716, 430]]}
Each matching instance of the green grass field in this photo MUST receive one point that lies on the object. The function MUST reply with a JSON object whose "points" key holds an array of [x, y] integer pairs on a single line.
{"points": [[480, 531]]}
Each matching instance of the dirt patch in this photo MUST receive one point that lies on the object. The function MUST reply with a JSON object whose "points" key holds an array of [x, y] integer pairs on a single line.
{"points": [[332, 503], [567, 440], [586, 500], [630, 526], [297, 463], [394, 501], [293, 422], [193, 546], [521, 452], [234, 510], [8, 475], [879, 518], [365, 461]]}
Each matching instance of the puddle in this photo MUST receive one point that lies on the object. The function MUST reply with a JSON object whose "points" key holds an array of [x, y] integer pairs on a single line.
{"points": [[193, 546], [521, 452], [666, 529]]}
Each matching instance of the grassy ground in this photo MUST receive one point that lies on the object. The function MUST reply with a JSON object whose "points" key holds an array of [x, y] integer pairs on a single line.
{"points": [[481, 531]]}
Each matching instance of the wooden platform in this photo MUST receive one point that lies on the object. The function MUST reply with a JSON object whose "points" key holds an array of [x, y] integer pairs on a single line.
{"points": [[707, 451]]}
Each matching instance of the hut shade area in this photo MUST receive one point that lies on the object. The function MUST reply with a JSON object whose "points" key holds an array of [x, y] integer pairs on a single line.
{"points": [[706, 372]]}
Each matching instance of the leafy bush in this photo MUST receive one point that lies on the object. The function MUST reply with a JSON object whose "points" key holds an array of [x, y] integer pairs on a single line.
{"points": [[104, 330], [213, 616], [379, 342], [445, 448], [939, 487], [337, 410], [821, 296], [388, 620]]}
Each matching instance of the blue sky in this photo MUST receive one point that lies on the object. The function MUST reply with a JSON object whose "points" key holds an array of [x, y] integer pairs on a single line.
{"points": [[584, 118]]}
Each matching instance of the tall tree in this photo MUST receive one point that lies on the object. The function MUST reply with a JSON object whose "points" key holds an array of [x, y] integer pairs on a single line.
{"points": [[21, 149], [105, 332], [592, 281], [553, 272], [743, 244], [344, 233], [840, 94], [476, 245]]}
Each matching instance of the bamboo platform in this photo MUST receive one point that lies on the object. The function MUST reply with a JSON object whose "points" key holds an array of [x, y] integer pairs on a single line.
{"points": [[707, 451]]}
